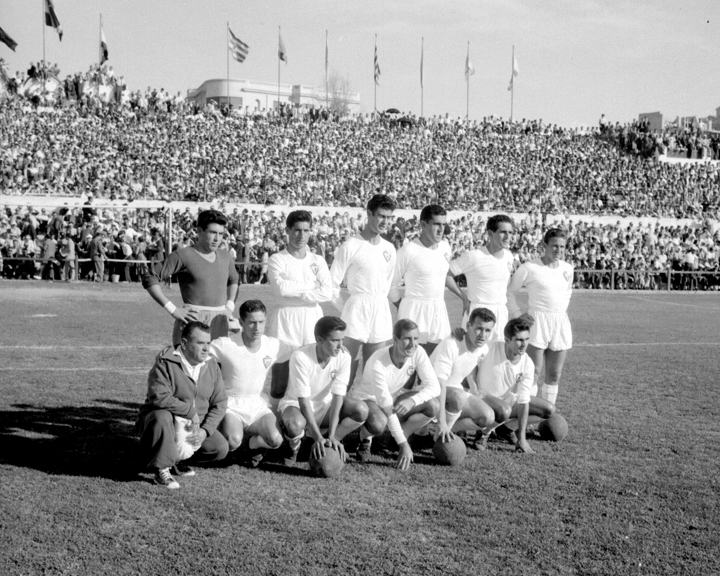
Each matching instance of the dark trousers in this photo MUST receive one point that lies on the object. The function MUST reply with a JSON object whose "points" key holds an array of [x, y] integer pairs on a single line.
{"points": [[157, 443]]}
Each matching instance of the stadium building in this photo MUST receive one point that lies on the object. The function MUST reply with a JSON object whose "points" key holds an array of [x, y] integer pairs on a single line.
{"points": [[251, 95]]}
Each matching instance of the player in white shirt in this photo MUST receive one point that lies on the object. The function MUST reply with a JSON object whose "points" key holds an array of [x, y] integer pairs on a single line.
{"points": [[549, 286], [301, 281], [384, 387], [453, 361], [487, 270], [316, 393], [422, 267], [366, 263], [245, 360], [504, 381]]}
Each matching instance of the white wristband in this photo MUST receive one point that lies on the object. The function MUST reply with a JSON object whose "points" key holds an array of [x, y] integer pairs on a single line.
{"points": [[170, 307], [396, 430], [230, 305]]}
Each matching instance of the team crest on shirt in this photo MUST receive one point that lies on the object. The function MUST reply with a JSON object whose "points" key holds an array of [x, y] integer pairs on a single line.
{"points": [[314, 269], [411, 370], [566, 275], [387, 256], [267, 361], [333, 374]]}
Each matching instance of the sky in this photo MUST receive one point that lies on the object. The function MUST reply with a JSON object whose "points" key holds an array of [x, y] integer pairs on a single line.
{"points": [[577, 59]]}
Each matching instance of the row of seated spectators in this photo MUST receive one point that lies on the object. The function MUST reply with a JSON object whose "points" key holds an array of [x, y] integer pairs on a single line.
{"points": [[157, 147], [620, 255]]}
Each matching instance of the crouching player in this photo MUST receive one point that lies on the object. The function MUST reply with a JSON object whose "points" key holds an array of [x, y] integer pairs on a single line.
{"points": [[316, 393], [504, 380], [245, 360], [453, 361], [384, 387]]}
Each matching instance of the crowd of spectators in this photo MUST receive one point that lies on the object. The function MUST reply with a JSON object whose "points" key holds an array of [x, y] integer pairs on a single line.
{"points": [[619, 255]]}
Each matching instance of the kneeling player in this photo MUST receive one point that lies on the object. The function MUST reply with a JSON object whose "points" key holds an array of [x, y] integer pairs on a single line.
{"points": [[453, 361], [315, 396], [504, 380], [245, 360], [384, 388]]}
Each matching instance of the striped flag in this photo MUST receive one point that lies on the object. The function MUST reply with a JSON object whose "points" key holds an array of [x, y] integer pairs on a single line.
{"points": [[469, 68], [103, 46], [7, 40], [282, 53], [238, 48], [51, 19], [377, 68]]}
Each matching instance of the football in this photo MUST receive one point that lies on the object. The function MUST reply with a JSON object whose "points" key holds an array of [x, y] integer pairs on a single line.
{"points": [[450, 453], [329, 466], [554, 428]]}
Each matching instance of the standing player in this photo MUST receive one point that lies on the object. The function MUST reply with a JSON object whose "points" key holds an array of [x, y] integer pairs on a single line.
{"points": [[422, 265], [316, 394], [488, 271], [549, 285], [453, 361], [367, 263], [384, 388], [301, 280], [245, 360], [207, 277], [504, 382]]}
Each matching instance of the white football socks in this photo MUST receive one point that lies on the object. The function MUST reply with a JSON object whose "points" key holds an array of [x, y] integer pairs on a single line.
{"points": [[549, 392]]}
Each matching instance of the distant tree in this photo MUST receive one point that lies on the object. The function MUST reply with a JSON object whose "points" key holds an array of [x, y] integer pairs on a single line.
{"points": [[338, 90]]}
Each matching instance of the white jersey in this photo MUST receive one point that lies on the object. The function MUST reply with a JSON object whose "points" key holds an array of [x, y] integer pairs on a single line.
{"points": [[499, 377], [382, 381], [422, 269], [549, 289], [452, 361], [487, 275], [310, 380], [366, 268], [299, 281], [246, 373]]}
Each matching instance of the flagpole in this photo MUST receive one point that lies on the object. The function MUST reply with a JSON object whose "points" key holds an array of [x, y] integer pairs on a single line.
{"points": [[422, 88], [227, 50], [467, 81], [43, 28], [327, 101], [100, 44], [278, 99], [512, 82], [374, 78]]}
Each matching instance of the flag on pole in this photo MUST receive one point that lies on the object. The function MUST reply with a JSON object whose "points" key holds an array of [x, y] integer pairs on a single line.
{"points": [[51, 19], [103, 46], [326, 53], [422, 57], [282, 53], [515, 72], [238, 48], [377, 68], [7, 40], [469, 68]]}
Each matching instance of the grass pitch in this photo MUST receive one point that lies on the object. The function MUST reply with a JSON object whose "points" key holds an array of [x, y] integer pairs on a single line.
{"points": [[632, 490]]}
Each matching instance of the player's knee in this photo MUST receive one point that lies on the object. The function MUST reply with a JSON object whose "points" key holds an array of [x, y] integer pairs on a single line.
{"points": [[376, 423], [274, 440], [234, 440], [431, 407], [356, 410], [502, 413], [455, 400], [485, 417], [548, 410], [294, 425]]}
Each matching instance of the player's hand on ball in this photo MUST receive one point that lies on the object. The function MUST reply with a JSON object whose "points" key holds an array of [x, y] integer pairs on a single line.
{"points": [[405, 456], [523, 446], [444, 433], [336, 445], [318, 449], [404, 406]]}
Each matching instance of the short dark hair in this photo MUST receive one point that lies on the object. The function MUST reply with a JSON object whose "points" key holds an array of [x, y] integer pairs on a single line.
{"points": [[554, 233], [298, 216], [327, 325], [250, 306], [190, 326], [515, 326], [380, 201], [432, 210], [207, 217], [403, 325], [494, 222], [484, 314]]}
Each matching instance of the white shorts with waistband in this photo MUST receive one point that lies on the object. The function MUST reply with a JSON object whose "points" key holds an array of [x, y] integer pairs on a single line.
{"points": [[368, 318], [294, 325], [501, 313], [319, 414], [247, 409], [550, 330], [430, 315]]}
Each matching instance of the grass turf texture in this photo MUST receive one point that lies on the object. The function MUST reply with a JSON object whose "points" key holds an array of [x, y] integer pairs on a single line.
{"points": [[633, 489]]}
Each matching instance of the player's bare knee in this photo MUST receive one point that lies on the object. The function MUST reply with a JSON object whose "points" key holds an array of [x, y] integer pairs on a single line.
{"points": [[454, 400], [234, 440], [502, 413], [376, 423], [431, 408], [275, 440], [294, 425], [356, 409], [485, 417]]}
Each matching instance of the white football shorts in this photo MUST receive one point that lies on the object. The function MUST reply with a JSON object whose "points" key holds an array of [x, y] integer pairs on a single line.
{"points": [[550, 330]]}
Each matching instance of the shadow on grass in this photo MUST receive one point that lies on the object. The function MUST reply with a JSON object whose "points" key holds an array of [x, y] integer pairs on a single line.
{"points": [[72, 440]]}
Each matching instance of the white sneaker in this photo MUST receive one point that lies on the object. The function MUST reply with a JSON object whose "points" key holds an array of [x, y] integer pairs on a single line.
{"points": [[164, 478]]}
